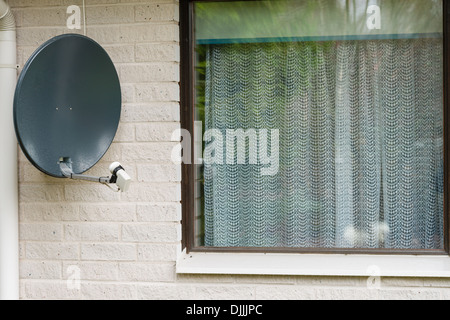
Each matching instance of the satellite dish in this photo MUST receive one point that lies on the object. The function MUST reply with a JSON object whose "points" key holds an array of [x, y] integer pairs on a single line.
{"points": [[67, 108]]}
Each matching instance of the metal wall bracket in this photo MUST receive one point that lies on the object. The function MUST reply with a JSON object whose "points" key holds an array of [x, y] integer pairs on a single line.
{"points": [[9, 66]]}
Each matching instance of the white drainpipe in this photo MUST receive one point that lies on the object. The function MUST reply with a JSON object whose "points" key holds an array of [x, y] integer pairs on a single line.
{"points": [[9, 204]]}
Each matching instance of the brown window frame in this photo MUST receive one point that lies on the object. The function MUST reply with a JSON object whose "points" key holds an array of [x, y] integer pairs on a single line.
{"points": [[187, 78]]}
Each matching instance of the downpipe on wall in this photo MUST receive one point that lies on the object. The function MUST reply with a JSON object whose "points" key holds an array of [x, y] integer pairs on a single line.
{"points": [[9, 202]]}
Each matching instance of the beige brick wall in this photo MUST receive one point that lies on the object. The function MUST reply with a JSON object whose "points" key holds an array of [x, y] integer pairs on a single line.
{"points": [[124, 246]]}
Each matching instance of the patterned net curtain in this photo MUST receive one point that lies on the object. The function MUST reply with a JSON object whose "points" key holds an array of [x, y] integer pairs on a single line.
{"points": [[360, 144]]}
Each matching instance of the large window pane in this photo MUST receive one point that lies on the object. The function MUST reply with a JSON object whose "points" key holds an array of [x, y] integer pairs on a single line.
{"points": [[329, 136]]}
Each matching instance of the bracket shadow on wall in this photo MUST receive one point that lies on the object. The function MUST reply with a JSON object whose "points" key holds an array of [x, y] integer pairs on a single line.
{"points": [[67, 109]]}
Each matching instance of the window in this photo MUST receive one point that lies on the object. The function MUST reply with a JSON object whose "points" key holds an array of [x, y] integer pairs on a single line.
{"points": [[316, 126]]}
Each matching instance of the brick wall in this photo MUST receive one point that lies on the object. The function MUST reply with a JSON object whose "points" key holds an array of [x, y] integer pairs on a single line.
{"points": [[124, 246]]}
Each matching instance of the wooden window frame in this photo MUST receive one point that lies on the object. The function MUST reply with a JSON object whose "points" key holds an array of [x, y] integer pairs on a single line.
{"points": [[187, 77]]}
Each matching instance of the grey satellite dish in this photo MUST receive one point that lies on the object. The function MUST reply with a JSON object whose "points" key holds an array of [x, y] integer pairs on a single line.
{"points": [[67, 109]]}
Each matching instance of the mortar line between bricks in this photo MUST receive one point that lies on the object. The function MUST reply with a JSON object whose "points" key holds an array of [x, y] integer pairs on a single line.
{"points": [[106, 25], [99, 5]]}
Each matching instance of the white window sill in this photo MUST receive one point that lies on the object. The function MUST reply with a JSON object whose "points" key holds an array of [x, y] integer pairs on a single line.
{"points": [[313, 264]]}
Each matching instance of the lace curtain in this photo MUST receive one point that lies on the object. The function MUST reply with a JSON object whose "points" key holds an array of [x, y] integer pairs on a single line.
{"points": [[360, 144]]}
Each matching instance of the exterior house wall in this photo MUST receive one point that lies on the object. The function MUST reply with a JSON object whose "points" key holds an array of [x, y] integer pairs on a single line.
{"points": [[125, 246]]}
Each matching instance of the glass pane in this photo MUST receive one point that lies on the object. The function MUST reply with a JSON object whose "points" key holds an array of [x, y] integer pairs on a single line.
{"points": [[319, 124]]}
